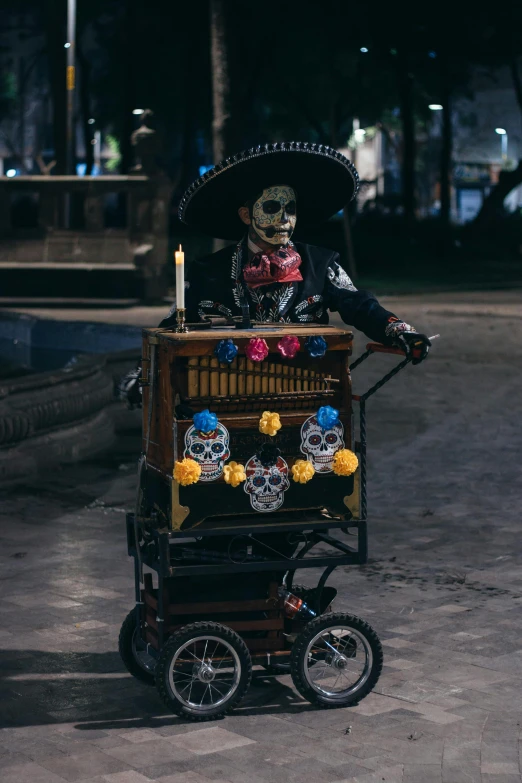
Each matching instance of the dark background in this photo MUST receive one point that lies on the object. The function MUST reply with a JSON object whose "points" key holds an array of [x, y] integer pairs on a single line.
{"points": [[308, 71]]}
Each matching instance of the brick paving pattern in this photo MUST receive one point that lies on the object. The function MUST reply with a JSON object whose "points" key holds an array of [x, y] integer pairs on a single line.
{"points": [[443, 589]]}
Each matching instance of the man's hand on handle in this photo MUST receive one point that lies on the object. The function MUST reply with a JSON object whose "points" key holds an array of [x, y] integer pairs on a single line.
{"points": [[413, 341], [405, 337]]}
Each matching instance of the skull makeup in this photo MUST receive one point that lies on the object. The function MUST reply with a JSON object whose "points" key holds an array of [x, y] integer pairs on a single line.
{"points": [[320, 445], [210, 450], [274, 215], [266, 485]]}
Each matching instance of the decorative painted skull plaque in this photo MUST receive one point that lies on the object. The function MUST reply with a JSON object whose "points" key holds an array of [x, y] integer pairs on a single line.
{"points": [[209, 449], [266, 485], [320, 445]]}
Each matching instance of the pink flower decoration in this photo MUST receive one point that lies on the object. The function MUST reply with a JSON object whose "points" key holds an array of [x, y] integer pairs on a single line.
{"points": [[256, 349], [288, 346]]}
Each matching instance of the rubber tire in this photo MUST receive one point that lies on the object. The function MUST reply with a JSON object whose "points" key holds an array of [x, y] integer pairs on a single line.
{"points": [[183, 635], [297, 658], [125, 649]]}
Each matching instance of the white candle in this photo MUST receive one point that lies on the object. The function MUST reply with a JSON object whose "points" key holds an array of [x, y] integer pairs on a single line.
{"points": [[179, 256]]}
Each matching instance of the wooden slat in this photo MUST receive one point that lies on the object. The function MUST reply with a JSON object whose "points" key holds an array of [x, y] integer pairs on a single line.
{"points": [[214, 378], [204, 377], [223, 380], [221, 607], [250, 377], [264, 377], [265, 644], [150, 600], [240, 625], [193, 377], [232, 381]]}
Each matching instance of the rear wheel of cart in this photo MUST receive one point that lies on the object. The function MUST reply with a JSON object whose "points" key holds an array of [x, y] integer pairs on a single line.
{"points": [[137, 661], [203, 671], [336, 660]]}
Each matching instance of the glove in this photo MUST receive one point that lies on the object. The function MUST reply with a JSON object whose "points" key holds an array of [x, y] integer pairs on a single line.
{"points": [[410, 341], [405, 337]]}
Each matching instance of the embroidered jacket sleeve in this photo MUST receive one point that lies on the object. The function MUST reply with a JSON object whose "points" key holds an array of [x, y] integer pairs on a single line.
{"points": [[357, 308]]}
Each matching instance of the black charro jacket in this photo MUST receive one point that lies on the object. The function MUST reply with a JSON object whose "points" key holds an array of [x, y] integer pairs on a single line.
{"points": [[215, 287]]}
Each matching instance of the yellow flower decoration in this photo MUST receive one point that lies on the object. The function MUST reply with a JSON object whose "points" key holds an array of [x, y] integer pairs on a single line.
{"points": [[187, 471], [234, 473], [302, 471], [269, 423], [345, 462]]}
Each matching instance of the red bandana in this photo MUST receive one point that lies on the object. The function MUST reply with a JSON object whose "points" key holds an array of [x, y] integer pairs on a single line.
{"points": [[281, 266]]}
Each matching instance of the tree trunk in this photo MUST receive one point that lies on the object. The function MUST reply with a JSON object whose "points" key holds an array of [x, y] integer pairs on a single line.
{"points": [[131, 47], [55, 17], [221, 118], [85, 110], [220, 81], [405, 85], [446, 151], [21, 112]]}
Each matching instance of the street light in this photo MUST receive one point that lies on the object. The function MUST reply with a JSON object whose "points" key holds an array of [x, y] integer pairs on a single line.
{"points": [[363, 49], [435, 106], [138, 111], [502, 132]]}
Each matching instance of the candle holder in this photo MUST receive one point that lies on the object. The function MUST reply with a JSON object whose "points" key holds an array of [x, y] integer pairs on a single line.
{"points": [[180, 318]]}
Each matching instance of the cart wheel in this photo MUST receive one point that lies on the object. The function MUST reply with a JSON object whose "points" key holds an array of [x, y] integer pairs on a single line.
{"points": [[336, 660], [138, 662], [203, 671]]}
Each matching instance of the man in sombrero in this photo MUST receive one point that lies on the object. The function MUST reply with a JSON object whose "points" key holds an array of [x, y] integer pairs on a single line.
{"points": [[254, 198]]}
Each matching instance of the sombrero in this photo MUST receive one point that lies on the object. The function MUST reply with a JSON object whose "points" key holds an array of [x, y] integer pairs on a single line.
{"points": [[323, 179]]}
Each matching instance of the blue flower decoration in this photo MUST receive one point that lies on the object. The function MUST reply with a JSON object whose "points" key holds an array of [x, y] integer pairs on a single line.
{"points": [[226, 350], [327, 417], [316, 346], [205, 421]]}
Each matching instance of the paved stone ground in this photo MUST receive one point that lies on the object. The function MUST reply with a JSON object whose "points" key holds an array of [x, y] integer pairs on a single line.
{"points": [[443, 589]]}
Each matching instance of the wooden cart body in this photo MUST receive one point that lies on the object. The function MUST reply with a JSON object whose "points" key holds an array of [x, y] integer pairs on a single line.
{"points": [[181, 376]]}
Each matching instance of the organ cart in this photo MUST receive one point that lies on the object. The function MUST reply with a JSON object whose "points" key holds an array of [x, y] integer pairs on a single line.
{"points": [[227, 511]]}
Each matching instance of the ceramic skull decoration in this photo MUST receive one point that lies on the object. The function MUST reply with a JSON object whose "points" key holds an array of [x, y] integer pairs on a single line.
{"points": [[266, 485], [320, 445], [209, 449]]}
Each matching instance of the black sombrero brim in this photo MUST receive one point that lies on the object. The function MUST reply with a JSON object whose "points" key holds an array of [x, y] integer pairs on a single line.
{"points": [[323, 179]]}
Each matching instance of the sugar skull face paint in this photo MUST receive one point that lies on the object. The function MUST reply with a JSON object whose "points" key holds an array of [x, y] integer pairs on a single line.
{"points": [[274, 215]]}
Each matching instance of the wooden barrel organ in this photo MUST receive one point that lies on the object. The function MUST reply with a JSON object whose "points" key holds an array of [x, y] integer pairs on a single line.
{"points": [[182, 376]]}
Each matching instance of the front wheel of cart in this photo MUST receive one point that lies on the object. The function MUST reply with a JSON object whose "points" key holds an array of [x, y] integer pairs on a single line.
{"points": [[137, 661], [336, 660], [203, 671]]}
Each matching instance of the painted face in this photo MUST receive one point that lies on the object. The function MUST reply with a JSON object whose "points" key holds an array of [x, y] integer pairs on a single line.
{"points": [[274, 215]]}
